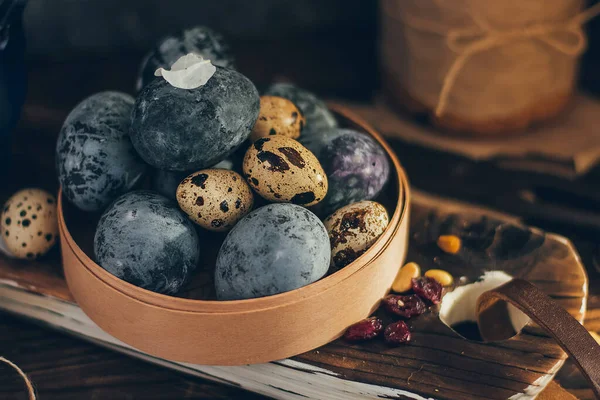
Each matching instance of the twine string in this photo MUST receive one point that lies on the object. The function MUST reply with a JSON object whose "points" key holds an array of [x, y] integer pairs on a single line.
{"points": [[466, 42], [28, 384]]}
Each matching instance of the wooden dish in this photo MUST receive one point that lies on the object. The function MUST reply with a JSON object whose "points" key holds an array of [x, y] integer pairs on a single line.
{"points": [[243, 331]]}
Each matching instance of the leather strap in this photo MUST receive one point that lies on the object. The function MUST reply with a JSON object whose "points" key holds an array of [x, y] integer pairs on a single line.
{"points": [[566, 330]]}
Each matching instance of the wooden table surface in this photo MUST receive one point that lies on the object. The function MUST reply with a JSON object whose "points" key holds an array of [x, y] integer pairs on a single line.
{"points": [[66, 368]]}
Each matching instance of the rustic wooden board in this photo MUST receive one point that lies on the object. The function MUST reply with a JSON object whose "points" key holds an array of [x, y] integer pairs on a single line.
{"points": [[438, 363]]}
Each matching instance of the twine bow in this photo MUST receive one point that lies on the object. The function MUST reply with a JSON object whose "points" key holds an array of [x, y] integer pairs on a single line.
{"points": [[468, 42]]}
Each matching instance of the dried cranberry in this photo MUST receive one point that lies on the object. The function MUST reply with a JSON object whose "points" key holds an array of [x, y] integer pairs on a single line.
{"points": [[428, 289], [364, 330], [404, 306], [397, 333]]}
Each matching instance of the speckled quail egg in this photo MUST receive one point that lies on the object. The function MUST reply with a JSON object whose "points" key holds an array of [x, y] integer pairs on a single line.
{"points": [[166, 182], [318, 116], [215, 199], [278, 116], [29, 226], [282, 170], [353, 229]]}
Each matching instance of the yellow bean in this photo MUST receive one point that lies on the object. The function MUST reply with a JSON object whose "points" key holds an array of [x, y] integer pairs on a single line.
{"points": [[450, 244], [595, 336], [443, 277], [402, 283]]}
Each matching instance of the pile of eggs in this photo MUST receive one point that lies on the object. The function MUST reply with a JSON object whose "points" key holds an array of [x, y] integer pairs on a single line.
{"points": [[288, 191]]}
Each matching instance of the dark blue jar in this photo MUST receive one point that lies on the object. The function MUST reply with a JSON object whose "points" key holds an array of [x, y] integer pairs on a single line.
{"points": [[12, 75]]}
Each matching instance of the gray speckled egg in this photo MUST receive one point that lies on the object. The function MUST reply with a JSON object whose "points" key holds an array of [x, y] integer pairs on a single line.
{"points": [[318, 116], [144, 239], [282, 170], [200, 40], [188, 130], [353, 229], [356, 165], [274, 249], [215, 199], [29, 227], [95, 159]]}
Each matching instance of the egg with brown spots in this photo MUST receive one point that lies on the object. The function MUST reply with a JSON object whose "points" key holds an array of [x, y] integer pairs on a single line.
{"points": [[353, 229], [282, 170], [29, 226], [278, 116], [215, 199]]}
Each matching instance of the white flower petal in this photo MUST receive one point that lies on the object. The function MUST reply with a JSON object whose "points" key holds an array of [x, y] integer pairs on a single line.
{"points": [[189, 72], [187, 61]]}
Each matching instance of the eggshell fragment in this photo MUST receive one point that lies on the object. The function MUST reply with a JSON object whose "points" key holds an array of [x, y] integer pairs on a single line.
{"points": [[188, 72], [29, 226], [200, 40]]}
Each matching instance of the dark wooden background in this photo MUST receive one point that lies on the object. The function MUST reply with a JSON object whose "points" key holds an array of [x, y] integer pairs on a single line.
{"points": [[329, 45]]}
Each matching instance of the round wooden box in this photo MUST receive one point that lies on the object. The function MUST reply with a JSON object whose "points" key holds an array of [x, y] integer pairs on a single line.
{"points": [[243, 331]]}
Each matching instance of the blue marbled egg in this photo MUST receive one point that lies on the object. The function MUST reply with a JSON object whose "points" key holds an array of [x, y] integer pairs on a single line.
{"points": [[144, 239], [318, 117], [188, 130], [95, 159], [201, 40], [357, 167], [274, 249]]}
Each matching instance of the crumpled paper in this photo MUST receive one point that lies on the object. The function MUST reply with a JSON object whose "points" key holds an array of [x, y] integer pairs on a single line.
{"points": [[189, 72]]}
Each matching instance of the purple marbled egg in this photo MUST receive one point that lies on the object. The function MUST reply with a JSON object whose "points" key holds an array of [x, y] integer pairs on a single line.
{"points": [[356, 166]]}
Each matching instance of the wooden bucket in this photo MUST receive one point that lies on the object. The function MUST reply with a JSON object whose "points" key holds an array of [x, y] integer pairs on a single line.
{"points": [[243, 331]]}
